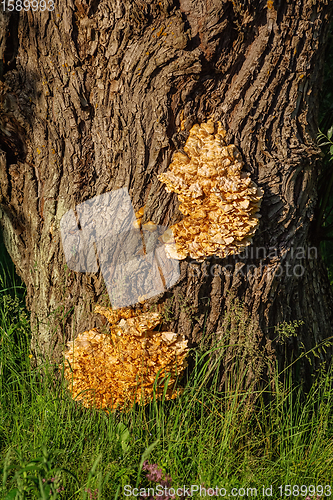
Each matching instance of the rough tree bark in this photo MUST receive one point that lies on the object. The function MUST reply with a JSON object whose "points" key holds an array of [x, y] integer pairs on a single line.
{"points": [[92, 96]]}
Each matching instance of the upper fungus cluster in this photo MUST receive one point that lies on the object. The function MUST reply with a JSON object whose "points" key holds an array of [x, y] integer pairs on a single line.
{"points": [[110, 371], [220, 201]]}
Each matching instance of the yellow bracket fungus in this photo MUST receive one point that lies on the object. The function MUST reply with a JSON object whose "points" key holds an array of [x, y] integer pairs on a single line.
{"points": [[220, 201], [111, 371]]}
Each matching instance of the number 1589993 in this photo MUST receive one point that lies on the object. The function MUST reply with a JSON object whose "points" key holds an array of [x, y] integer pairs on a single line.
{"points": [[34, 5]]}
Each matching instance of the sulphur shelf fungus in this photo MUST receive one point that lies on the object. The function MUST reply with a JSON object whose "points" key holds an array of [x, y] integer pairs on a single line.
{"points": [[220, 202], [112, 371]]}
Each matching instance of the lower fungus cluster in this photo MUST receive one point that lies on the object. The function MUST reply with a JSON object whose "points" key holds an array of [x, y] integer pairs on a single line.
{"points": [[220, 201], [112, 371]]}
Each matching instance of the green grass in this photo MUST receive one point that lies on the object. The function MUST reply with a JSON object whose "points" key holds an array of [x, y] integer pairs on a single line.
{"points": [[203, 437]]}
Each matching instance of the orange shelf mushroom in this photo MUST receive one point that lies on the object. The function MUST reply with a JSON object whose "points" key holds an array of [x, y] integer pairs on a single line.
{"points": [[220, 201], [117, 369]]}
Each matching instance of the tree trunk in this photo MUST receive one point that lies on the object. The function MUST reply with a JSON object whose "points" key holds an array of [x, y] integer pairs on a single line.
{"points": [[93, 95]]}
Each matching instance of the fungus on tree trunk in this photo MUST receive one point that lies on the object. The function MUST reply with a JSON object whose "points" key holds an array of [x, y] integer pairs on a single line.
{"points": [[111, 371], [221, 202]]}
